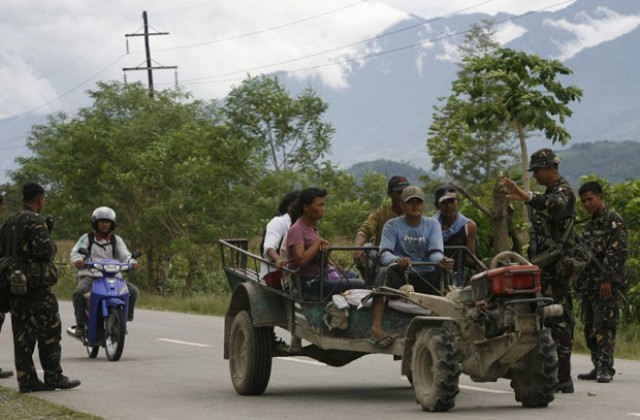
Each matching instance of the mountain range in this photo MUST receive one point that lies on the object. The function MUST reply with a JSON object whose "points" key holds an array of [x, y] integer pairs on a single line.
{"points": [[615, 162], [387, 108]]}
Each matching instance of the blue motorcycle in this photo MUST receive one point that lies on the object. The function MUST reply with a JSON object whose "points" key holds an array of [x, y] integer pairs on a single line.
{"points": [[107, 309]]}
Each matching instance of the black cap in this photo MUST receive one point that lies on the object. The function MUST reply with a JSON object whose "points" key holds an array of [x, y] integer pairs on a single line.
{"points": [[31, 191], [397, 183]]}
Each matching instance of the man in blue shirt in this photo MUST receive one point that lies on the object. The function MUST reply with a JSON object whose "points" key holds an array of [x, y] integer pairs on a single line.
{"points": [[407, 239]]}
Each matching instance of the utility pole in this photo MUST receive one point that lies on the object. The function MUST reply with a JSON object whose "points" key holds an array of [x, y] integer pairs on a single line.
{"points": [[149, 67]]}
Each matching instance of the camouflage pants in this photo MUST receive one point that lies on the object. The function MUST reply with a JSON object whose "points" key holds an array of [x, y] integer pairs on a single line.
{"points": [[600, 318], [562, 333], [35, 320]]}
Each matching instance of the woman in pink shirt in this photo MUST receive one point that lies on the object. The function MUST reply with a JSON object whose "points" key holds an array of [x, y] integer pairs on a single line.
{"points": [[305, 249]]}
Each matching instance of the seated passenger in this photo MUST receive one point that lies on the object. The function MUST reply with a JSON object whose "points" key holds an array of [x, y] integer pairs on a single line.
{"points": [[457, 230], [370, 232], [405, 240], [274, 235], [305, 249]]}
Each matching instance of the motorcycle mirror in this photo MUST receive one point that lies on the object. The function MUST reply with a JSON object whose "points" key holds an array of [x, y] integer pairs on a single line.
{"points": [[83, 251]]}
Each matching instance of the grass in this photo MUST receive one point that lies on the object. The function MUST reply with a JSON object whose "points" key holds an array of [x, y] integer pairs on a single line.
{"points": [[16, 406]]}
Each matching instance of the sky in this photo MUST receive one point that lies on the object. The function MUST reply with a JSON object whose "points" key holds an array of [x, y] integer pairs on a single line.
{"points": [[53, 51]]}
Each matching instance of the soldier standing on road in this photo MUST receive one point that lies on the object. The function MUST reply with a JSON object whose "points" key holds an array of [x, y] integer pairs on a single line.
{"points": [[606, 237], [553, 215], [4, 306], [34, 308]]}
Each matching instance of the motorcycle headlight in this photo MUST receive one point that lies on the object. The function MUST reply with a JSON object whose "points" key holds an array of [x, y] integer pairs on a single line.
{"points": [[111, 268]]}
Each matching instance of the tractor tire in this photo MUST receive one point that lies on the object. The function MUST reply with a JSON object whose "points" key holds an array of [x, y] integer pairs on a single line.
{"points": [[250, 355], [435, 370], [534, 380]]}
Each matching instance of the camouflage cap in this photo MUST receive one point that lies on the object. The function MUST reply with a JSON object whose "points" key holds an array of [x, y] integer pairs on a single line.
{"points": [[543, 158]]}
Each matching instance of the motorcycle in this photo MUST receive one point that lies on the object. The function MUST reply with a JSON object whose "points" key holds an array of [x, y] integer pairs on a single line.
{"points": [[107, 309]]}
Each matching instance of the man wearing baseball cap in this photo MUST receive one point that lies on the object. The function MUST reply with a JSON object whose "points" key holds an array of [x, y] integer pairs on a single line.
{"points": [[371, 230], [408, 239], [457, 230], [552, 217]]}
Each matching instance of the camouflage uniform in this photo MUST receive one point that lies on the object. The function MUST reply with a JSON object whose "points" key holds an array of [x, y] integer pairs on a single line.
{"points": [[606, 236], [34, 315], [553, 214]]}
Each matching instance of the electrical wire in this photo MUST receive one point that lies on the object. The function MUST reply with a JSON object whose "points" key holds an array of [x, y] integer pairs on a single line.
{"points": [[273, 28], [203, 80]]}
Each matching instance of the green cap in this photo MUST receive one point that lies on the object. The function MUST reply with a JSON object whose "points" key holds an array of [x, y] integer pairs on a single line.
{"points": [[543, 158]]}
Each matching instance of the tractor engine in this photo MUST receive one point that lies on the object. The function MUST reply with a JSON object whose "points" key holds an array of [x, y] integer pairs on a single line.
{"points": [[502, 294]]}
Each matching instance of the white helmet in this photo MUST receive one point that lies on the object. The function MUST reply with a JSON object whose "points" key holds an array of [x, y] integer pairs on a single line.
{"points": [[103, 213]]}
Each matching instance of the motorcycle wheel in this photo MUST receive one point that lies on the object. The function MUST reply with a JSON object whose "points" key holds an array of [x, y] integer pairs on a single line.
{"points": [[92, 351], [115, 327]]}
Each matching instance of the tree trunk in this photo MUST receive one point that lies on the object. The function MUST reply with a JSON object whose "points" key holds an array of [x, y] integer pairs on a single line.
{"points": [[191, 275], [524, 154], [499, 218]]}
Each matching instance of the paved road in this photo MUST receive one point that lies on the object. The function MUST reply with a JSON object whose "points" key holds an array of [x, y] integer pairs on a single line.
{"points": [[172, 368]]}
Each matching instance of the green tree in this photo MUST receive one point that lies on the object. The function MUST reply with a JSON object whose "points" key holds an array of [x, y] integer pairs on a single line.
{"points": [[519, 89], [163, 163], [469, 155], [288, 133]]}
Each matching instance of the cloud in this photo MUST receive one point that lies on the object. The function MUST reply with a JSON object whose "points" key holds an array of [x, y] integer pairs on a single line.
{"points": [[590, 31], [508, 31]]}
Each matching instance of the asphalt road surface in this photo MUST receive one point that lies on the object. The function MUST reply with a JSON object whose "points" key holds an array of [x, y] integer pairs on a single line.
{"points": [[172, 368]]}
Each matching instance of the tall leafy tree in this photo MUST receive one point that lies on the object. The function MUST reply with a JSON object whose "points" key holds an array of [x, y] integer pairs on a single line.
{"points": [[288, 132], [519, 89], [164, 164], [469, 155]]}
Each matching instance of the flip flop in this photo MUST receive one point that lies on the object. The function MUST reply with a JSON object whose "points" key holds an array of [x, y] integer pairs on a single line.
{"points": [[382, 342]]}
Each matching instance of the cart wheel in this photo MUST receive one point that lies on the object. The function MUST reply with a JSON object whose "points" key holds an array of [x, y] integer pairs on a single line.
{"points": [[250, 350]]}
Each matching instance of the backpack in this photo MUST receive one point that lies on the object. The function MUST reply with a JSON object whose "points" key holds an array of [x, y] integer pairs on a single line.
{"points": [[114, 249]]}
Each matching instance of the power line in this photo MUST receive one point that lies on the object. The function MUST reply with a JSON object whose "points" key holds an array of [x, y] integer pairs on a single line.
{"points": [[64, 94], [273, 28], [203, 80]]}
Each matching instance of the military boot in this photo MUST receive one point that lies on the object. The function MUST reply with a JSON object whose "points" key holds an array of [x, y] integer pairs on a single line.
{"points": [[565, 387], [591, 376], [565, 383], [604, 375]]}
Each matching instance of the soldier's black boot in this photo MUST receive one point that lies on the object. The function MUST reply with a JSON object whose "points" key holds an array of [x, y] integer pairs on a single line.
{"points": [[591, 376], [565, 383], [604, 375], [5, 373]]}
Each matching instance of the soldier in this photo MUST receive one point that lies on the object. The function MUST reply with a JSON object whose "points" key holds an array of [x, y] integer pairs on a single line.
{"points": [[34, 308], [552, 218], [606, 237], [4, 307]]}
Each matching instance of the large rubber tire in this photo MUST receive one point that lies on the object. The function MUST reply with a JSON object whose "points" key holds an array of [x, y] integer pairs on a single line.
{"points": [[534, 379], [250, 351], [435, 370], [115, 329]]}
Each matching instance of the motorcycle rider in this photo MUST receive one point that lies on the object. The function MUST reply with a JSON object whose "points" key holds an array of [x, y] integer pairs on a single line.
{"points": [[101, 243]]}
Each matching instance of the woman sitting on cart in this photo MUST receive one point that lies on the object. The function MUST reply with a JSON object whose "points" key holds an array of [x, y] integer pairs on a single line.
{"points": [[308, 252]]}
